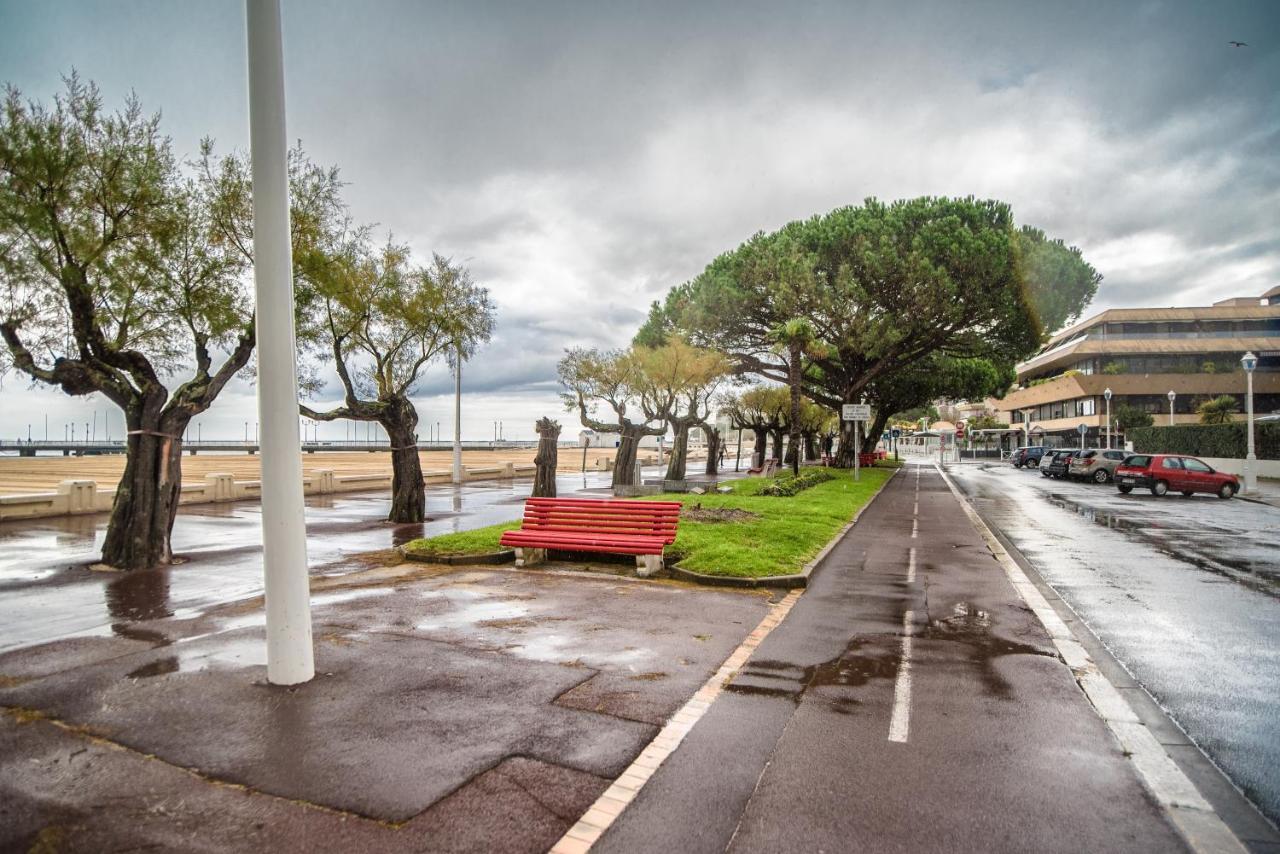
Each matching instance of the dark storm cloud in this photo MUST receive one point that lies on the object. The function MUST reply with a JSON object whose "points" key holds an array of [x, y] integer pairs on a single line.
{"points": [[582, 158]]}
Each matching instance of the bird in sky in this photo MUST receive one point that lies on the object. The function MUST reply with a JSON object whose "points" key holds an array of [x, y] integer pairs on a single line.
{"points": [[1238, 44]]}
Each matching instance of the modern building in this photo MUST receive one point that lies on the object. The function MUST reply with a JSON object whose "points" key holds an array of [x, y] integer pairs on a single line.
{"points": [[1143, 354]]}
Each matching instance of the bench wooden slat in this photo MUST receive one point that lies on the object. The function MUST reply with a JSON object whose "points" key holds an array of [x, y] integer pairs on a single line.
{"points": [[596, 525]]}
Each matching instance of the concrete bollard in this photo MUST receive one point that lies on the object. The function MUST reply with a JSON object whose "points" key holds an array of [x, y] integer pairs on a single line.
{"points": [[219, 486], [323, 481], [82, 495]]}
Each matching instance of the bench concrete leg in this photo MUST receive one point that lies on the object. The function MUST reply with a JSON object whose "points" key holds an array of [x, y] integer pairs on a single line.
{"points": [[647, 565], [530, 557]]}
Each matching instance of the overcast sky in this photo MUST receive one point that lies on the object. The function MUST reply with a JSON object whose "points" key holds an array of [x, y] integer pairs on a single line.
{"points": [[583, 158]]}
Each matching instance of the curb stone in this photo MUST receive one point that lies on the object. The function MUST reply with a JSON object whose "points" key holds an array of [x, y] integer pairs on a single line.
{"points": [[492, 558]]}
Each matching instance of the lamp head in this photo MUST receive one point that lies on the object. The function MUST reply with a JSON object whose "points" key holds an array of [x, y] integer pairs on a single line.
{"points": [[1172, 395], [1106, 393], [1249, 361]]}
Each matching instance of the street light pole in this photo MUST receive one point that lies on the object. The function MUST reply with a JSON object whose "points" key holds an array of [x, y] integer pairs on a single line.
{"points": [[1107, 394], [1172, 396], [290, 657], [457, 417], [1249, 362]]}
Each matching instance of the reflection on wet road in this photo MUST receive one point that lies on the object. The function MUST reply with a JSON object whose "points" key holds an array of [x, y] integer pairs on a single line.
{"points": [[46, 591], [1185, 592]]}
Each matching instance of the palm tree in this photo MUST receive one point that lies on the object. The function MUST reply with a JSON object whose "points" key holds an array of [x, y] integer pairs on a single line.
{"points": [[797, 336], [1219, 410]]}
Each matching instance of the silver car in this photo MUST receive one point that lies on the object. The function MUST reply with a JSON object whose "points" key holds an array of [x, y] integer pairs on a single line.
{"points": [[1096, 464]]}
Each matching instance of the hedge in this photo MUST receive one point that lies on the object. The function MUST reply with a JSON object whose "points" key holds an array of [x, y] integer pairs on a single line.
{"points": [[1207, 440], [785, 485]]}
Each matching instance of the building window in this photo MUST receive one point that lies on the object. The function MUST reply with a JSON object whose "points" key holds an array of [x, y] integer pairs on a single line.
{"points": [[1085, 406]]}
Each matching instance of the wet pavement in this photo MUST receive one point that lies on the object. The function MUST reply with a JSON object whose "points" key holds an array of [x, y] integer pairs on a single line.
{"points": [[47, 592], [1184, 592], [453, 709], [909, 702]]}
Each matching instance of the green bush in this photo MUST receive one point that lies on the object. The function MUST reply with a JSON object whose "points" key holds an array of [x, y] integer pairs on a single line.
{"points": [[1207, 440], [786, 485]]}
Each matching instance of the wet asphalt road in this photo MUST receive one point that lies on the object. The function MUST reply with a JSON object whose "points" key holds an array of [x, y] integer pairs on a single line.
{"points": [[1184, 592], [909, 702], [47, 593]]}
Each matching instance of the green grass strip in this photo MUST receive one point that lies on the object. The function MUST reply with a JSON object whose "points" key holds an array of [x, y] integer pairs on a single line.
{"points": [[785, 534]]}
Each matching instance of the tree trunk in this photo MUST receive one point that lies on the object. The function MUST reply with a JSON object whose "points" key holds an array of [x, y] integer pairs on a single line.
{"points": [[872, 438], [777, 445], [810, 446], [761, 449], [544, 479], [848, 446], [794, 376], [714, 446], [146, 502], [793, 458], [679, 450], [408, 493], [624, 467]]}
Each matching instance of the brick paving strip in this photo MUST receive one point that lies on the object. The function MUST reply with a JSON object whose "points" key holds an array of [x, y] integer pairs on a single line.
{"points": [[623, 791]]}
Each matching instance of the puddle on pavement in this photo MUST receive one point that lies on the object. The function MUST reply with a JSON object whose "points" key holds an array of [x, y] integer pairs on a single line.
{"points": [[225, 654], [971, 626], [857, 665]]}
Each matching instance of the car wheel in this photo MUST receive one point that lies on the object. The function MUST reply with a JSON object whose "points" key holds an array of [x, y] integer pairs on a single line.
{"points": [[1017, 464], [1100, 476], [1227, 491], [1043, 473], [1159, 488], [1125, 489]]}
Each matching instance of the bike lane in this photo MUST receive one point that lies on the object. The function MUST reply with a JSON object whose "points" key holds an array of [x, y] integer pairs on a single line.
{"points": [[910, 701]]}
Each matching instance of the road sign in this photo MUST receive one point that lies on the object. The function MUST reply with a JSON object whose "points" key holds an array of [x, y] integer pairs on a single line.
{"points": [[856, 412], [1082, 429], [959, 430], [896, 433]]}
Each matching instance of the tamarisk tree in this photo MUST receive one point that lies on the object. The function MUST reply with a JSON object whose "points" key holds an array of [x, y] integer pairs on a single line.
{"points": [[115, 283], [677, 382], [384, 320], [609, 379]]}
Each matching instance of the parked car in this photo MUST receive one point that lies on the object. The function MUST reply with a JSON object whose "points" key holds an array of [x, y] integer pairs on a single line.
{"points": [[1028, 455], [1060, 463], [1096, 464], [1162, 473]]}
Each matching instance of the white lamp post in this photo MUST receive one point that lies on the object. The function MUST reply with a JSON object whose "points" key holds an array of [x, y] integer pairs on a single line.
{"points": [[1249, 361], [284, 534], [457, 418], [1107, 394], [1172, 395]]}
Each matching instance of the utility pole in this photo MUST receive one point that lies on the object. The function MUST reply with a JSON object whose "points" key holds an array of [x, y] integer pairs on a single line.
{"points": [[290, 655]]}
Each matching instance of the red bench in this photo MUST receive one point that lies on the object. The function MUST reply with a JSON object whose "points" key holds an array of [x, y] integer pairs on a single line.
{"points": [[867, 460], [640, 528]]}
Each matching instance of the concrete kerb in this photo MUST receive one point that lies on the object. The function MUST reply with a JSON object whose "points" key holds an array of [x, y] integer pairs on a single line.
{"points": [[490, 559], [1188, 811], [785, 582]]}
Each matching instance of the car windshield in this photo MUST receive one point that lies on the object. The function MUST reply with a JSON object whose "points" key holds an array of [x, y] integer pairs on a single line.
{"points": [[1137, 461]]}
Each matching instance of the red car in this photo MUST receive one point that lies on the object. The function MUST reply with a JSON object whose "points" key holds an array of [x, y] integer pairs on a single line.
{"points": [[1162, 473]]}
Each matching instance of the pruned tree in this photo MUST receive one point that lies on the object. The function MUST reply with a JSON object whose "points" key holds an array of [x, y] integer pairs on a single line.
{"points": [[116, 282], [677, 383], [762, 410], [595, 380], [383, 320], [797, 337], [545, 460]]}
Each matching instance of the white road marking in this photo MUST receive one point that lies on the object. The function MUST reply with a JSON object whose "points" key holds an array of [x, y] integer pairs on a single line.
{"points": [[915, 528], [900, 722], [911, 566], [916, 509]]}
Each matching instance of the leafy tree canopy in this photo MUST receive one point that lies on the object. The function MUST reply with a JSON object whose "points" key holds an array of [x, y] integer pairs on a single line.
{"points": [[881, 285], [1060, 282]]}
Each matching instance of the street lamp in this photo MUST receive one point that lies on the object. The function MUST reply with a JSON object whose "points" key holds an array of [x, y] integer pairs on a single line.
{"points": [[1107, 394], [1249, 362], [1172, 395]]}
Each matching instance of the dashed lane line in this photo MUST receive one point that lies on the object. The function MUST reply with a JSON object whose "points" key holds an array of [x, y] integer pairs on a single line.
{"points": [[900, 722]]}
